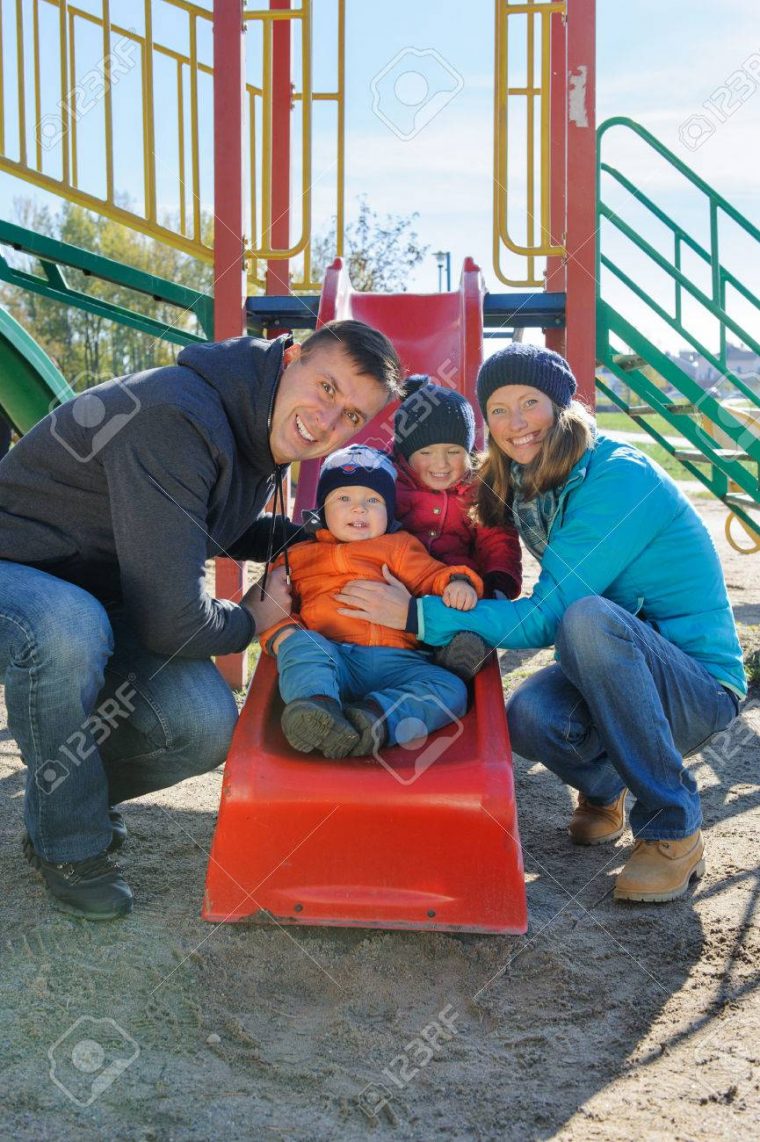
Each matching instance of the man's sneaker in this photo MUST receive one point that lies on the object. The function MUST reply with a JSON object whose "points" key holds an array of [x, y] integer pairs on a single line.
{"points": [[596, 824], [464, 655], [661, 870], [93, 888], [119, 832], [369, 720], [318, 723]]}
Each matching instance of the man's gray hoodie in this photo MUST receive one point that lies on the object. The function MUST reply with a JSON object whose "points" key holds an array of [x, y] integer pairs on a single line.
{"points": [[129, 489]]}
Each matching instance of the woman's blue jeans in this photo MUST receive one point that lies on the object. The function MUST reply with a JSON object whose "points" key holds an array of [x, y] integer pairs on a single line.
{"points": [[622, 708], [98, 718]]}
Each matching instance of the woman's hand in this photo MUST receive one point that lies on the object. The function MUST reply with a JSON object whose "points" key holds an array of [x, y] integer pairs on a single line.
{"points": [[460, 595], [386, 604]]}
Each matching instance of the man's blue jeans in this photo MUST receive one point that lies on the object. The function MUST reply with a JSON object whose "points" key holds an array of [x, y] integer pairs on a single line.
{"points": [[415, 696], [621, 710], [98, 719]]}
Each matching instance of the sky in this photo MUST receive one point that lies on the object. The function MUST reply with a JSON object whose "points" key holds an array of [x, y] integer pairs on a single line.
{"points": [[688, 70]]}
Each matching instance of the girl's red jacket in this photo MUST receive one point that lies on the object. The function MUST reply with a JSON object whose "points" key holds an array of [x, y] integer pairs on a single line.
{"points": [[441, 521]]}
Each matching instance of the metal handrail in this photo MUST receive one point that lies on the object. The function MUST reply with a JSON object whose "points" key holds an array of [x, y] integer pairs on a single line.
{"points": [[32, 163], [720, 277], [537, 202]]}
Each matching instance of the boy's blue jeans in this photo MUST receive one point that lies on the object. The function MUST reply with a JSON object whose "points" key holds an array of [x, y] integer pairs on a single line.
{"points": [[621, 710], [98, 718], [415, 696]]}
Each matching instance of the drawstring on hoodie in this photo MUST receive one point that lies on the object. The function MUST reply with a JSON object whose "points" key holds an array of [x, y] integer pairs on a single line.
{"points": [[278, 507]]}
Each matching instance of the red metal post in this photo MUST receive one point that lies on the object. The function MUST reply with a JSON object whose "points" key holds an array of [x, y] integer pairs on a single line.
{"points": [[555, 267], [229, 264], [277, 237], [581, 194]]}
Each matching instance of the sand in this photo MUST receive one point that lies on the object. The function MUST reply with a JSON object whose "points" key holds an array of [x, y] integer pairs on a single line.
{"points": [[605, 1021]]}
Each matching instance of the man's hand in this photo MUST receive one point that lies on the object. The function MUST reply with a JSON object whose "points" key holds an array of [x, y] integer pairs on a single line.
{"points": [[460, 595], [276, 604], [386, 604]]}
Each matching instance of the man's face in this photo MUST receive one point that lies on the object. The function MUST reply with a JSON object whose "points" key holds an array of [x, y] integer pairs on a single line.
{"points": [[321, 403]]}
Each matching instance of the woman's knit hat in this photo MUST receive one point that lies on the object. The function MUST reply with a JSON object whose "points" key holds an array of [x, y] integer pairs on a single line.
{"points": [[521, 364], [431, 414], [358, 465]]}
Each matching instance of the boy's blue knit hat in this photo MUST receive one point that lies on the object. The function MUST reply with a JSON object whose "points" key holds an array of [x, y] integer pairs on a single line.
{"points": [[521, 364], [358, 465], [431, 414]]}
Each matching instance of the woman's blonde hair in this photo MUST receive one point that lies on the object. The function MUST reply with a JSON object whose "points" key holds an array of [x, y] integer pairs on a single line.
{"points": [[569, 437]]}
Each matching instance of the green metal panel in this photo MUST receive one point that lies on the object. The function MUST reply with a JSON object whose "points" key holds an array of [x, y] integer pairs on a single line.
{"points": [[726, 470], [53, 254], [30, 384]]}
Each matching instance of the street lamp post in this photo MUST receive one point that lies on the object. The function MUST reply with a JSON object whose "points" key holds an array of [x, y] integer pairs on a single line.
{"points": [[443, 258]]}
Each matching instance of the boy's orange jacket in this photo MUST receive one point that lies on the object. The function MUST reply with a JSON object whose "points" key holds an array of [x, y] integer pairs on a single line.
{"points": [[320, 570]]}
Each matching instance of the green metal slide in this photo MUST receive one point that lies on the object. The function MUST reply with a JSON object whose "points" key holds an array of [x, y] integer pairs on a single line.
{"points": [[30, 384], [721, 422]]}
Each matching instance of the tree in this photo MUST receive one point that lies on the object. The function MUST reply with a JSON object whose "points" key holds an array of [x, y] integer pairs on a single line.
{"points": [[380, 252], [87, 348]]}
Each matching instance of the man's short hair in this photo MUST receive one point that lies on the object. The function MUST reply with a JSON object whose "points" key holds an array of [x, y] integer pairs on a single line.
{"points": [[369, 350]]}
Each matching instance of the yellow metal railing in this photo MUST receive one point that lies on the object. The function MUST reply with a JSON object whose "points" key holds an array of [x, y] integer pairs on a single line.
{"points": [[59, 96], [260, 108], [527, 172]]}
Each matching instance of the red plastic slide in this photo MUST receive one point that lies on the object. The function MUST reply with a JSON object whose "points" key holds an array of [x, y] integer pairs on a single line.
{"points": [[422, 837]]}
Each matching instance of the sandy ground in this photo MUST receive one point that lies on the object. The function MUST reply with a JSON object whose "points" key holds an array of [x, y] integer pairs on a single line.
{"points": [[605, 1021]]}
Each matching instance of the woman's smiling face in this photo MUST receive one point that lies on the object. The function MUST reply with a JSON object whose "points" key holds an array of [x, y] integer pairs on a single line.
{"points": [[519, 418]]}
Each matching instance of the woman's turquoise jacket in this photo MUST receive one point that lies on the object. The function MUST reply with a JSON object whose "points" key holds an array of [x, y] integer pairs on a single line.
{"points": [[622, 529]]}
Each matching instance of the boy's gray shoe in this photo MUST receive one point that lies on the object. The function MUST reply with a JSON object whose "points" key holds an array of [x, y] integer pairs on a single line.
{"points": [[369, 720], [318, 723], [464, 655], [93, 888]]}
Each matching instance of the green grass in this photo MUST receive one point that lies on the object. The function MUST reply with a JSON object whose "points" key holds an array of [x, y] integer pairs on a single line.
{"points": [[622, 422]]}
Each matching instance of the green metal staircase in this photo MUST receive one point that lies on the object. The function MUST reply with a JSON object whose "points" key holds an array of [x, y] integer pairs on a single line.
{"points": [[721, 423]]}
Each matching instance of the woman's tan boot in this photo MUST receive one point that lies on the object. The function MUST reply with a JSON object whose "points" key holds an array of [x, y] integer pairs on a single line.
{"points": [[661, 870], [595, 824]]}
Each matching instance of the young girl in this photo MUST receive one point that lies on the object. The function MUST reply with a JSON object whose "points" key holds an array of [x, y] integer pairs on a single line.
{"points": [[434, 434]]}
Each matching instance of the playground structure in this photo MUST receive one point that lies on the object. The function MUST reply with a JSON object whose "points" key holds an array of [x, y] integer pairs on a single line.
{"points": [[264, 284]]}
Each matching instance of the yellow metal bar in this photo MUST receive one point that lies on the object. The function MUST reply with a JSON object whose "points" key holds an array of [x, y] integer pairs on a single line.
{"points": [[530, 6], [181, 149], [20, 82], [267, 15], [108, 102], [538, 199], [64, 100], [546, 82], [37, 85], [2, 87], [109, 210], [195, 159], [266, 144], [252, 177], [70, 103], [530, 138], [149, 168], [340, 211]]}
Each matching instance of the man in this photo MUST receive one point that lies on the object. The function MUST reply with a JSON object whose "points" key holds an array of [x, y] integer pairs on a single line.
{"points": [[109, 509]]}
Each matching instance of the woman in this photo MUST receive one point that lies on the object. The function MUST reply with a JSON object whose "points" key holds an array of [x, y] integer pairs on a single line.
{"points": [[631, 594]]}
